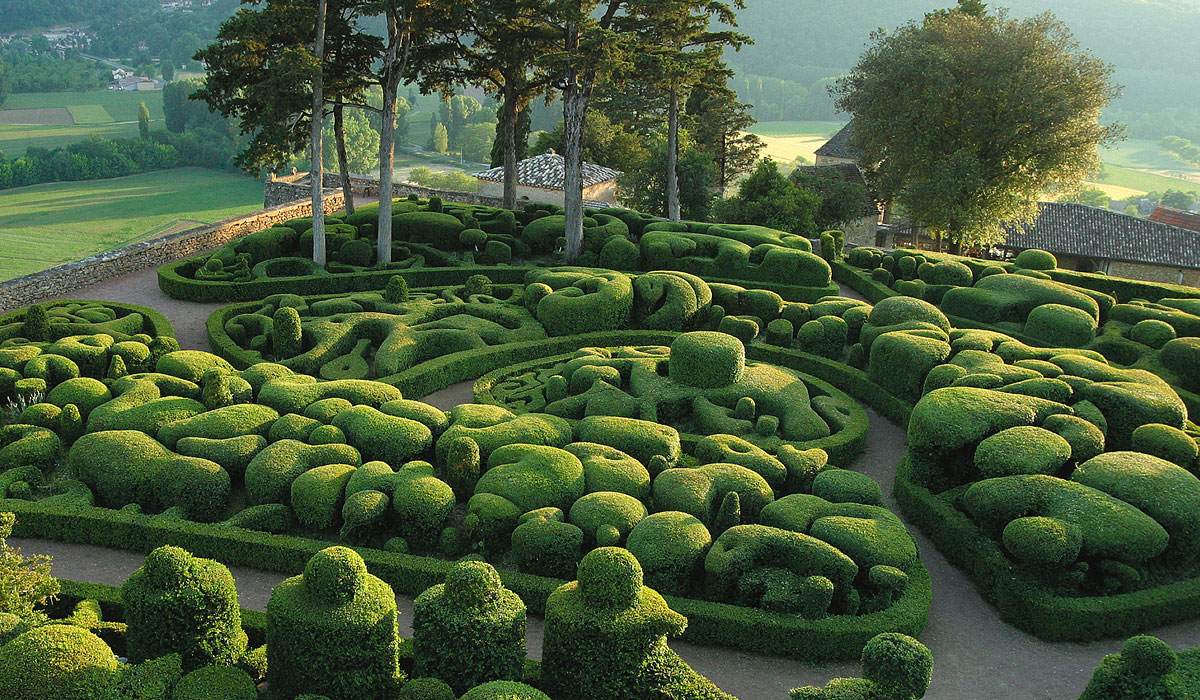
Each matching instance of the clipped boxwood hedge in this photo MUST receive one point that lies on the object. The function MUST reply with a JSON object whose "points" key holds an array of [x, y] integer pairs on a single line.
{"points": [[709, 623]]}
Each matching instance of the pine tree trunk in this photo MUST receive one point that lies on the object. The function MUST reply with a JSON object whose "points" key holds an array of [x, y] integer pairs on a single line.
{"points": [[673, 159], [339, 134], [316, 172], [510, 145], [387, 137], [574, 97], [574, 108]]}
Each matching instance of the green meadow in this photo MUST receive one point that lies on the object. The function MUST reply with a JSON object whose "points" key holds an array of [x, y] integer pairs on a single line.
{"points": [[47, 225]]}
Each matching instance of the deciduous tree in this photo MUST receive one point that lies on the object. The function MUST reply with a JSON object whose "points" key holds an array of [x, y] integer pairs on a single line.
{"points": [[768, 198], [591, 45], [968, 117]]}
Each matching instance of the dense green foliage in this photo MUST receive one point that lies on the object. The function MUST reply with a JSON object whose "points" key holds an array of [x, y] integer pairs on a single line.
{"points": [[178, 604], [896, 89]]}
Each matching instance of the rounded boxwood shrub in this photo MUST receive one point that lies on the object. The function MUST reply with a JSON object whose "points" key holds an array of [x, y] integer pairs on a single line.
{"points": [[898, 665], [1145, 668], [318, 494], [56, 662], [1043, 541], [332, 631], [215, 683], [1061, 326], [504, 690], [470, 629], [707, 359], [1141, 480], [1024, 449], [422, 503], [547, 547], [594, 511], [670, 546], [1035, 259], [180, 604], [1165, 441], [1152, 332], [426, 689], [432, 227], [845, 486]]}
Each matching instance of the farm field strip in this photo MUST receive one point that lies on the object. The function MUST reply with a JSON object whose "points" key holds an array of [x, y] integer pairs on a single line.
{"points": [[90, 114]]}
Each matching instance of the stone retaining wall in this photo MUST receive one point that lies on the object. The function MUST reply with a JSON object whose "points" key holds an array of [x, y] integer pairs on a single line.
{"points": [[292, 187], [64, 279]]}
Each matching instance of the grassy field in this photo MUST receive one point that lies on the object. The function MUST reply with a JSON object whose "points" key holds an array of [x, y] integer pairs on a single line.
{"points": [[1144, 154], [784, 141], [47, 225], [108, 113], [1120, 182], [1131, 169]]}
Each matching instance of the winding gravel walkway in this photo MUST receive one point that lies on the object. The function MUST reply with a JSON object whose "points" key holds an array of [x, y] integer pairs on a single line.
{"points": [[976, 655]]}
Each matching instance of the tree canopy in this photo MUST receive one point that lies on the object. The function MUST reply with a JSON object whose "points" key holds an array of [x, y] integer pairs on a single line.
{"points": [[966, 119], [768, 198]]}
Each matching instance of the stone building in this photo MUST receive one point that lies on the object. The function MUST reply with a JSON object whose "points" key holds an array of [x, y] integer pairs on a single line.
{"points": [[860, 230], [1090, 239], [837, 149], [540, 179]]}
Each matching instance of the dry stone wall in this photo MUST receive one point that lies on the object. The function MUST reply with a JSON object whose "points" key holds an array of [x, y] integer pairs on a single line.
{"points": [[292, 187]]}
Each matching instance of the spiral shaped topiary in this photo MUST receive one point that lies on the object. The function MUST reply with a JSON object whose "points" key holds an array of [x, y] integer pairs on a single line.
{"points": [[332, 631], [180, 604], [469, 630]]}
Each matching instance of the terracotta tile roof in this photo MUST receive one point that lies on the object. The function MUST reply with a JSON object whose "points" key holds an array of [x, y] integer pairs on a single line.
{"points": [[547, 171], [1176, 217], [1079, 230], [839, 145]]}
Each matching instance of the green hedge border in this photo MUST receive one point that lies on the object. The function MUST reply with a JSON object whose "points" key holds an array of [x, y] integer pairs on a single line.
{"points": [[1026, 605], [843, 447], [177, 286], [156, 324], [750, 629]]}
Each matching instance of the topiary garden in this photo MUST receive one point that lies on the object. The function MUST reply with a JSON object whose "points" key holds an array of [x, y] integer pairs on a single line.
{"points": [[674, 434]]}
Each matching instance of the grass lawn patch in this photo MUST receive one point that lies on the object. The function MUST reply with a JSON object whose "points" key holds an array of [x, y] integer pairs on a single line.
{"points": [[90, 114], [62, 118], [1132, 181], [1144, 154], [47, 225]]}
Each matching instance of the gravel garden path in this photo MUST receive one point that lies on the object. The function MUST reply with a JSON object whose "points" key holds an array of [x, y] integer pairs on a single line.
{"points": [[976, 654]]}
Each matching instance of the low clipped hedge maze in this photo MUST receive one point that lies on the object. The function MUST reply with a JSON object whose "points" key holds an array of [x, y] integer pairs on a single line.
{"points": [[690, 395]]}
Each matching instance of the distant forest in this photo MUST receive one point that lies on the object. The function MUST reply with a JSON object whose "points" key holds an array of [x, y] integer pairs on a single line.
{"points": [[801, 45]]}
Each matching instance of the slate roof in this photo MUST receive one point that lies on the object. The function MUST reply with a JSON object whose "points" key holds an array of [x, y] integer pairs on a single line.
{"points": [[846, 171], [839, 145], [547, 171], [1176, 217], [1080, 230]]}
